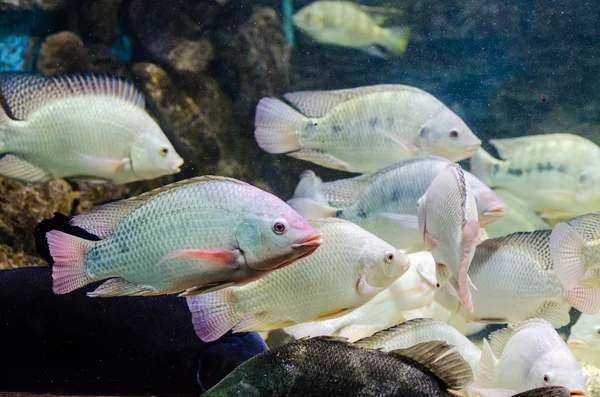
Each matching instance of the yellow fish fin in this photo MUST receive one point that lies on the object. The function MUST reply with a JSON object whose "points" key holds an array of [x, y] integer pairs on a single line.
{"points": [[555, 213]]}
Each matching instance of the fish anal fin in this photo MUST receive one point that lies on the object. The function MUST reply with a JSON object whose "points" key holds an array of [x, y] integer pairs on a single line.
{"points": [[321, 158], [485, 373], [121, 287], [15, 167], [555, 213], [334, 314], [261, 322], [555, 313]]}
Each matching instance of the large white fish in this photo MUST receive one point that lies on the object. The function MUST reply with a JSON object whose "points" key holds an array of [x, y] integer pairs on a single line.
{"points": [[411, 296], [517, 217], [197, 235], [516, 281], [576, 247], [584, 339], [384, 202], [79, 126], [422, 330], [362, 129], [347, 271], [556, 174], [526, 356], [448, 222]]}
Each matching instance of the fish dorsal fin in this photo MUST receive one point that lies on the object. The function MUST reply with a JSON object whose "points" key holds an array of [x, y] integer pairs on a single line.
{"points": [[533, 244], [507, 147], [344, 193], [318, 103], [379, 338], [499, 339], [588, 226], [439, 358], [24, 93], [103, 220]]}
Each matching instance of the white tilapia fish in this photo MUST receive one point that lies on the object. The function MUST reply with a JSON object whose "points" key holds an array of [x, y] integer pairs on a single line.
{"points": [[517, 217], [362, 129], [345, 24], [411, 296], [422, 330], [347, 271], [516, 281], [576, 247], [555, 174], [79, 127], [526, 356], [197, 235], [384, 202], [584, 339], [448, 222]]}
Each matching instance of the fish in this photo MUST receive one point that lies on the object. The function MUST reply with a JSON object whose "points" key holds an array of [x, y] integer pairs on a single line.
{"points": [[555, 174], [448, 222], [345, 24], [576, 246], [384, 202], [465, 327], [411, 296], [584, 339], [312, 368], [80, 127], [196, 235], [421, 330], [347, 271], [80, 346], [362, 129], [516, 281], [547, 391], [528, 355], [517, 217]]}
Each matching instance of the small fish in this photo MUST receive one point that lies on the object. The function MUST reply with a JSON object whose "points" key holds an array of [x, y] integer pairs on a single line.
{"points": [[345, 24], [79, 127], [313, 368], [448, 222], [362, 129], [584, 339], [555, 174], [423, 330], [576, 246], [516, 281], [528, 355], [196, 235], [349, 269], [517, 217], [384, 202], [411, 296]]}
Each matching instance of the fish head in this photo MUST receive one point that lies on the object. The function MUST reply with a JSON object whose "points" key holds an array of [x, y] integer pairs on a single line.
{"points": [[273, 238], [447, 135], [556, 366], [584, 340], [310, 18], [382, 264], [153, 155], [588, 184], [490, 207]]}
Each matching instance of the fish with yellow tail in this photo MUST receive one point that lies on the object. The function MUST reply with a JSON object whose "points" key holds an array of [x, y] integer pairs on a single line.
{"points": [[79, 127], [346, 24], [196, 236]]}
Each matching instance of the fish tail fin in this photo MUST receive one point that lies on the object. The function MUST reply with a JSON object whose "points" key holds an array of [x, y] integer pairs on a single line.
{"points": [[584, 299], [68, 252], [397, 40], [212, 314], [278, 126], [482, 165], [566, 250], [308, 200]]}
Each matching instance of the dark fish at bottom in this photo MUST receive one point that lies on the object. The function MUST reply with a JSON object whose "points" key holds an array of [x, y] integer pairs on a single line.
{"points": [[326, 366]]}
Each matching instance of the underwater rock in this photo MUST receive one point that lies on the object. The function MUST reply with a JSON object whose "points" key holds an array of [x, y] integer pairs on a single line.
{"points": [[22, 207], [10, 5], [190, 56], [101, 19]]}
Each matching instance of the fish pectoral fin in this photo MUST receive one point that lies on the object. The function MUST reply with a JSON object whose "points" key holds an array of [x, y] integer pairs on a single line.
{"points": [[374, 51], [405, 221], [106, 165], [409, 148], [15, 167], [121, 287], [334, 314], [204, 289], [431, 241], [363, 287], [485, 373], [212, 259], [427, 275], [555, 313], [321, 158], [443, 274], [554, 213]]}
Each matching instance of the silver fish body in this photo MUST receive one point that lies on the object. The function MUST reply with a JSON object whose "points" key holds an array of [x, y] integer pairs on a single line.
{"points": [[518, 217]]}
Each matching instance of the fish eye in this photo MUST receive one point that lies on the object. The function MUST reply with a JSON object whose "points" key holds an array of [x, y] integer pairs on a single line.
{"points": [[454, 134], [279, 228], [546, 378], [389, 257], [164, 151]]}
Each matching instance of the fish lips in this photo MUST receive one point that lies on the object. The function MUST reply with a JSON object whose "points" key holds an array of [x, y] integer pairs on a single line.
{"points": [[577, 344], [492, 215]]}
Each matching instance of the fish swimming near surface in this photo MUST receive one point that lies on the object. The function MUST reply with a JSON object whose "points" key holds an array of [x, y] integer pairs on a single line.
{"points": [[555, 174], [348, 270], [362, 129], [584, 339], [346, 24], [195, 235], [312, 368], [516, 280], [411, 296], [528, 355], [448, 222], [517, 217], [576, 246], [384, 202], [79, 127]]}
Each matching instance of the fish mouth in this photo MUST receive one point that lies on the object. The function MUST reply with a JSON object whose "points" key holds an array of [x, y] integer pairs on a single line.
{"points": [[492, 215], [474, 147], [177, 166], [310, 241], [577, 344], [577, 393]]}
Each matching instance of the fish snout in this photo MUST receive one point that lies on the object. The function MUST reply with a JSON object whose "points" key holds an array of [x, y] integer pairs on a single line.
{"points": [[312, 240], [577, 392], [577, 344], [176, 167], [494, 213], [474, 147]]}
